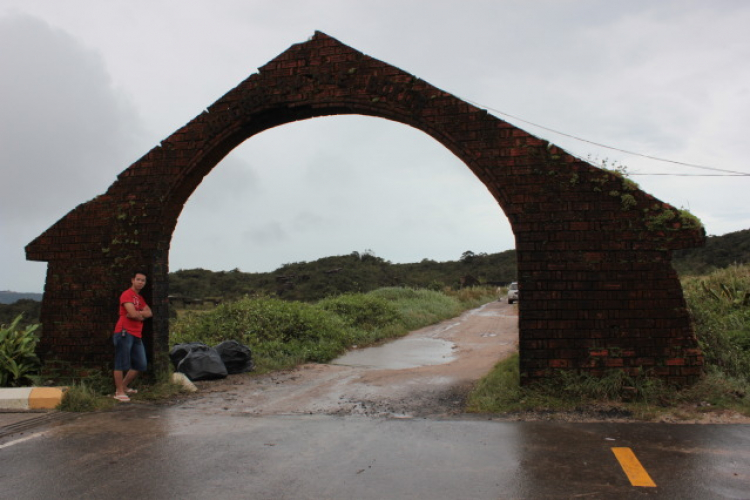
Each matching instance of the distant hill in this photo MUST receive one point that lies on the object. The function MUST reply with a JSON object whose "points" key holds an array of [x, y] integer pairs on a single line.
{"points": [[719, 252], [29, 309], [362, 272], [8, 297], [355, 272]]}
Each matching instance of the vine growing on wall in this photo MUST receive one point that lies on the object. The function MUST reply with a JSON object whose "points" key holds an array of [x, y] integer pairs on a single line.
{"points": [[125, 239]]}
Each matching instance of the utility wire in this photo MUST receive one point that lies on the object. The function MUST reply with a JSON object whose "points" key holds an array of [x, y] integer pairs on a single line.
{"points": [[726, 173], [694, 175]]}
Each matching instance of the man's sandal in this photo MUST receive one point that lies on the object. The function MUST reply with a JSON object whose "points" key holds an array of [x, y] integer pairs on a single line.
{"points": [[131, 391], [122, 397]]}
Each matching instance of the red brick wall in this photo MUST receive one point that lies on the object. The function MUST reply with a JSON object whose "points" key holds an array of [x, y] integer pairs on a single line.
{"points": [[594, 253]]}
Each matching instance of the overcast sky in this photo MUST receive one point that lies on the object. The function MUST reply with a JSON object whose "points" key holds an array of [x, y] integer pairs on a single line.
{"points": [[87, 87]]}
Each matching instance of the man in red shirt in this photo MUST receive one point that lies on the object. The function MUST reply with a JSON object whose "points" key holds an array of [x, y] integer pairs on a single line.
{"points": [[130, 355]]}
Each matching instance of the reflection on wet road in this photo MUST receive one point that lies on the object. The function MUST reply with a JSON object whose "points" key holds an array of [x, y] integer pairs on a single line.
{"points": [[404, 353], [426, 373], [283, 439], [152, 452]]}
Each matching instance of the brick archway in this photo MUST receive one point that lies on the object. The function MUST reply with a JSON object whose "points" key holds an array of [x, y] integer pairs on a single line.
{"points": [[594, 252]]}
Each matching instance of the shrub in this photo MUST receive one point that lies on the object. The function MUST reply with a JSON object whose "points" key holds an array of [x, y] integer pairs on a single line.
{"points": [[83, 397], [418, 308], [280, 333], [474, 296], [17, 358], [718, 304], [366, 311], [500, 390], [394, 293]]}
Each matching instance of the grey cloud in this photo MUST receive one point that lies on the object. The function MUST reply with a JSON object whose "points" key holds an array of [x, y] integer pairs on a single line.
{"points": [[267, 233], [63, 123], [65, 133], [665, 78]]}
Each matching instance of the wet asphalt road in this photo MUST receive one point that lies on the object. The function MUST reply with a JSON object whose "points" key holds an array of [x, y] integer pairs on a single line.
{"points": [[167, 452]]}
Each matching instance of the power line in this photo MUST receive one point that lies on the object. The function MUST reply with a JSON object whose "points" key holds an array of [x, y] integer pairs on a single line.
{"points": [[726, 173], [693, 175]]}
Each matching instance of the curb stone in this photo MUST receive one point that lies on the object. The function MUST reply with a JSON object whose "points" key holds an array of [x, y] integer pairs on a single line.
{"points": [[31, 398]]}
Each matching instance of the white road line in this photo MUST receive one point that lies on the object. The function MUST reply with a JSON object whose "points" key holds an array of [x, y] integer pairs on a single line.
{"points": [[21, 440]]}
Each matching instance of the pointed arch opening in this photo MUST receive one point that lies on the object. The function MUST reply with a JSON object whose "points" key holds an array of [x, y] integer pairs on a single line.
{"points": [[333, 185], [594, 251]]}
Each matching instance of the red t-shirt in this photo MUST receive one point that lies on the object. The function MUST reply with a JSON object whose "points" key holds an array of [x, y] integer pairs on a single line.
{"points": [[133, 326]]}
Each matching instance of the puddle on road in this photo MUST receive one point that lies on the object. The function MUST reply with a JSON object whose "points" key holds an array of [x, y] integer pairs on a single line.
{"points": [[480, 311], [400, 354]]}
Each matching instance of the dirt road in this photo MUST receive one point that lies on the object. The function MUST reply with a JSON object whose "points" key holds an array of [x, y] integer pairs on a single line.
{"points": [[427, 373]]}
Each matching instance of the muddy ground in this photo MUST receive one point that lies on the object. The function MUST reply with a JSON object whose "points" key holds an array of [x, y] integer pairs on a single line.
{"points": [[461, 351], [428, 373]]}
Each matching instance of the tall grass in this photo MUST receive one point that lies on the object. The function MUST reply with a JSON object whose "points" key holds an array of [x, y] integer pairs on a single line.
{"points": [[282, 334], [417, 308], [720, 307], [500, 391]]}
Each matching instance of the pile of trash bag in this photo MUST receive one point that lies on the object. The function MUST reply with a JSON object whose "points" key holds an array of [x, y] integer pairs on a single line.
{"points": [[198, 361]]}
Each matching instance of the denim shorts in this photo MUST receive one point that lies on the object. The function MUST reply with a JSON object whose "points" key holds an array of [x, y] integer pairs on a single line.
{"points": [[129, 353]]}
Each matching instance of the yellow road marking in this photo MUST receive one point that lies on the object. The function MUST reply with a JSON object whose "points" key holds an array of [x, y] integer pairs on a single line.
{"points": [[633, 468]]}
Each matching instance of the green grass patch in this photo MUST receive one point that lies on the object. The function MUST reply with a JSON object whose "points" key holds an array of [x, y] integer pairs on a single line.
{"points": [[158, 391], [363, 311], [500, 392], [94, 393], [83, 397], [282, 334], [643, 398], [418, 308], [720, 307]]}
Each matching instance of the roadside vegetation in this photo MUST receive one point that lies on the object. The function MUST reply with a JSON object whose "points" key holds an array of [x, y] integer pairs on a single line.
{"points": [[357, 272], [313, 311], [719, 304], [94, 392], [18, 360], [283, 334], [364, 272]]}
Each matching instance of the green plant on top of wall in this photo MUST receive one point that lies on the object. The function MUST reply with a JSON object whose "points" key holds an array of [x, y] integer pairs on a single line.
{"points": [[659, 219]]}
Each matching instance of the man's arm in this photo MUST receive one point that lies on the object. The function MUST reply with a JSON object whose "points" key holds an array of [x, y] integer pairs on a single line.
{"points": [[146, 312], [136, 315]]}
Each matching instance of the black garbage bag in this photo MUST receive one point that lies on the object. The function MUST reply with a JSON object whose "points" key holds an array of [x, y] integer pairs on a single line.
{"points": [[179, 351], [236, 357], [198, 361]]}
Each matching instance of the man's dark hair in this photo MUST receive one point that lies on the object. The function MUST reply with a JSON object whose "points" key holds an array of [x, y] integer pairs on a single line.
{"points": [[139, 271]]}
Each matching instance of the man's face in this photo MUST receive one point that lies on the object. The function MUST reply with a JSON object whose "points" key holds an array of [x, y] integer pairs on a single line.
{"points": [[139, 281]]}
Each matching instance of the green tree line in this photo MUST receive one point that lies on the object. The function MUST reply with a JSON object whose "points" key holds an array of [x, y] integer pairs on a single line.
{"points": [[30, 309], [355, 272], [364, 271], [719, 252]]}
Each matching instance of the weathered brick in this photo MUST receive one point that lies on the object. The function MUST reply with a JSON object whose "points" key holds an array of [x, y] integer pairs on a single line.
{"points": [[595, 279]]}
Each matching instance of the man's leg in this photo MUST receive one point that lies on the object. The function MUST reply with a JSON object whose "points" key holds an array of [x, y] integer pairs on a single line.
{"points": [[119, 383], [123, 344], [129, 377], [137, 363]]}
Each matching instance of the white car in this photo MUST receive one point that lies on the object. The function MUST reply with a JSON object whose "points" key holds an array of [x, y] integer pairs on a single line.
{"points": [[513, 293]]}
